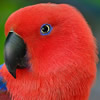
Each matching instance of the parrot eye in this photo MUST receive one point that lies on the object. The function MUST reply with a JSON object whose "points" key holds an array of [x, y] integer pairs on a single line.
{"points": [[46, 29]]}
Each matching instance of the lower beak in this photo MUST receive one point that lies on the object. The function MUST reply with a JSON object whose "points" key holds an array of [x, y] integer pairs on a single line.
{"points": [[15, 52]]}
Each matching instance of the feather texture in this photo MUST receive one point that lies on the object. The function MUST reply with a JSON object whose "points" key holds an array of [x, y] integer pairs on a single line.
{"points": [[62, 63], [4, 95], [3, 87]]}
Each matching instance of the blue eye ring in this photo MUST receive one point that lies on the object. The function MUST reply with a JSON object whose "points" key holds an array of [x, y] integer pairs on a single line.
{"points": [[46, 29]]}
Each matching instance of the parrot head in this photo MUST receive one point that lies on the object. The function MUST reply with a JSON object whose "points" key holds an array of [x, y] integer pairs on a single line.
{"points": [[50, 54]]}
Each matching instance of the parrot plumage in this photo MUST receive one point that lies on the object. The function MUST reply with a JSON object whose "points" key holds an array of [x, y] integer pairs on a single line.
{"points": [[50, 54], [2, 82], [3, 89]]}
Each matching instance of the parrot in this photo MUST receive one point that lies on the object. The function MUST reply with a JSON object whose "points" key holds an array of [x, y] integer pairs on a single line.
{"points": [[50, 54]]}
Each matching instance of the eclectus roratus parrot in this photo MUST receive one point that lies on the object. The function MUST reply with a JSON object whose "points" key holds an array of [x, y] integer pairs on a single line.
{"points": [[50, 54]]}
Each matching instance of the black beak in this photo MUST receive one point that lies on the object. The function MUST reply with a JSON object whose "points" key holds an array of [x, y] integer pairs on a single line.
{"points": [[15, 52]]}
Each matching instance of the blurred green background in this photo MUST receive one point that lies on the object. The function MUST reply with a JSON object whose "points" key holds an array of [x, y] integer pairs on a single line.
{"points": [[89, 8]]}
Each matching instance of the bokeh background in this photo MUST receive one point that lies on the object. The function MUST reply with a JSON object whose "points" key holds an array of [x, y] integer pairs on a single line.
{"points": [[89, 8]]}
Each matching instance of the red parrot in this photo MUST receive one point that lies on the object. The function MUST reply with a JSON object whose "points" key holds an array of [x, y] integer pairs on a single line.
{"points": [[50, 54]]}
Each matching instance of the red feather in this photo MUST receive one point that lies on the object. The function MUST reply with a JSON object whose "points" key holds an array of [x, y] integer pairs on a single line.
{"points": [[4, 96], [63, 64]]}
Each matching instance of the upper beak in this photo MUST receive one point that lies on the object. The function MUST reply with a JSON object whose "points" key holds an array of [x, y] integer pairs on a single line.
{"points": [[15, 53]]}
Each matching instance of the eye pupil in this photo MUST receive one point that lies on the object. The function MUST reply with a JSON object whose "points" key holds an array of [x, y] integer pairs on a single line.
{"points": [[45, 28]]}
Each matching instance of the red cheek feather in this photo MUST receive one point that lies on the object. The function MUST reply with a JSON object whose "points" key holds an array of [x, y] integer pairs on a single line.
{"points": [[63, 63]]}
